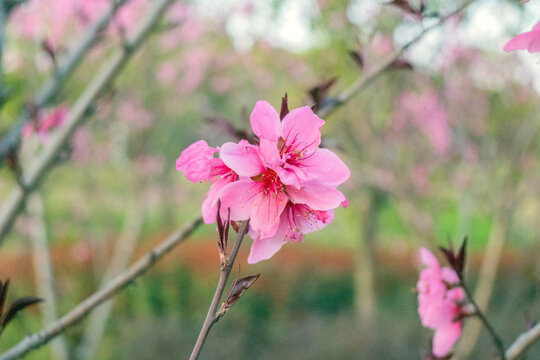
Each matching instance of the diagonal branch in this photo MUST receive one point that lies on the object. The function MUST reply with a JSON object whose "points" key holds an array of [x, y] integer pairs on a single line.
{"points": [[52, 87], [42, 337], [105, 76], [361, 83], [523, 342]]}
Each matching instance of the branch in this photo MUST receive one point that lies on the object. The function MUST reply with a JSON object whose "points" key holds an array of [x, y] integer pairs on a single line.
{"points": [[212, 316], [523, 342], [496, 338], [52, 87], [42, 337], [375, 72], [105, 75], [43, 270]]}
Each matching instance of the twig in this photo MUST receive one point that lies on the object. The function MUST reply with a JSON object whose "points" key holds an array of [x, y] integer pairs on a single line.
{"points": [[212, 316], [496, 338], [523, 342], [105, 75], [52, 87], [44, 272], [375, 72], [35, 340]]}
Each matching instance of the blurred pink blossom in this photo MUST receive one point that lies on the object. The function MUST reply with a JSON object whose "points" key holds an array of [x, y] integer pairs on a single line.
{"points": [[167, 73], [440, 300], [46, 124], [132, 112], [428, 114], [529, 41], [221, 84]]}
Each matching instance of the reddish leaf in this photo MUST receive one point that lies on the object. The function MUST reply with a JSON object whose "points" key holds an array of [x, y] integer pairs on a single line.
{"points": [[407, 7], [238, 288], [358, 58], [17, 306], [284, 107], [319, 93], [3, 295], [401, 64]]}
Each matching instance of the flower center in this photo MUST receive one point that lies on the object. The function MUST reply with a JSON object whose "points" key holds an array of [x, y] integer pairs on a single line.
{"points": [[271, 182]]}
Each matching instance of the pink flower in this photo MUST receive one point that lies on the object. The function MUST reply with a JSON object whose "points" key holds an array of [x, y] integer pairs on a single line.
{"points": [[439, 303], [197, 162], [51, 121], [287, 166], [295, 221], [529, 41], [286, 185]]}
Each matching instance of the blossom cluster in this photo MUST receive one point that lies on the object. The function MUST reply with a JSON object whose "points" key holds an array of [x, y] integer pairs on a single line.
{"points": [[285, 184], [440, 303]]}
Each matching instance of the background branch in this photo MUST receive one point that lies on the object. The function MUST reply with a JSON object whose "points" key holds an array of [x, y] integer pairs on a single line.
{"points": [[523, 342], [52, 87], [42, 337], [105, 75]]}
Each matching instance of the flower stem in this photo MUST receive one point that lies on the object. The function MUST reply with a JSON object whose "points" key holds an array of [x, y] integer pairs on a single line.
{"points": [[496, 338], [212, 316]]}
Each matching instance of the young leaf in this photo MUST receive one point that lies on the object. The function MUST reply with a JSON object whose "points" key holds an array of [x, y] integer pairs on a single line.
{"points": [[319, 93], [284, 107], [238, 288], [358, 58], [18, 305], [3, 295]]}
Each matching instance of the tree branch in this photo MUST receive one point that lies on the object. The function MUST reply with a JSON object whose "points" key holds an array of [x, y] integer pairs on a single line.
{"points": [[52, 87], [105, 75], [375, 72], [35, 340], [212, 316], [523, 342]]}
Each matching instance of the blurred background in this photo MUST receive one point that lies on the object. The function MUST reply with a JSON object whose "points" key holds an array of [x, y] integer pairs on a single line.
{"points": [[444, 146]]}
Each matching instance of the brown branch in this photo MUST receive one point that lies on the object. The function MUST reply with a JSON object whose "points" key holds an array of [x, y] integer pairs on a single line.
{"points": [[213, 316], [384, 65], [105, 76], [35, 340]]}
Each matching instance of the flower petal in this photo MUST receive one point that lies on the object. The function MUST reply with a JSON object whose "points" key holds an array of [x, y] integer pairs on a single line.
{"points": [[445, 337], [209, 206], [240, 196], [326, 166], [302, 131], [263, 249], [243, 158], [195, 161], [266, 213], [525, 41], [317, 196], [265, 121]]}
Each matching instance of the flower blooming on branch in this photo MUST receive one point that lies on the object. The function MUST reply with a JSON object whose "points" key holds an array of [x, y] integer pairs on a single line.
{"points": [[440, 303], [286, 185], [46, 124], [529, 41]]}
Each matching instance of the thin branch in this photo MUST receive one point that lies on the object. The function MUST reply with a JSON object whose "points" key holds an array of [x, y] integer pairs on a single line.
{"points": [[40, 338], [52, 87], [212, 316], [384, 65], [43, 270], [105, 75], [496, 338], [123, 250], [523, 342]]}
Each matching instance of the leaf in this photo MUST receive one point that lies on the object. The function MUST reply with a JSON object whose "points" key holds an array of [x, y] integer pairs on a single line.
{"points": [[284, 107], [3, 295], [401, 64], [460, 261], [319, 93], [406, 6], [238, 288], [18, 305], [223, 231], [358, 58]]}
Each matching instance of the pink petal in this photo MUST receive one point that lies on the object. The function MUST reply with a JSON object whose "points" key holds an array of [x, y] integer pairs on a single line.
{"points": [[242, 158], [265, 121], [429, 259], [270, 153], [263, 249], [308, 220], [449, 276], [266, 213], [445, 337], [209, 206], [317, 196], [195, 161], [326, 166], [240, 196], [523, 42], [302, 131]]}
